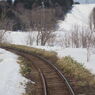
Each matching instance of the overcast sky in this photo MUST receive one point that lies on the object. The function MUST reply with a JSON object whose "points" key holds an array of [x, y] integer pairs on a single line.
{"points": [[85, 1]]}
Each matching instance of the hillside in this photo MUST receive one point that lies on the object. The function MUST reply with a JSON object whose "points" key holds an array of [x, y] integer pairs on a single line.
{"points": [[79, 15]]}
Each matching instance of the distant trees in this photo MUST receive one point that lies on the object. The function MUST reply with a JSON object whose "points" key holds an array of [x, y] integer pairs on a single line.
{"points": [[61, 6], [5, 23], [6, 20], [27, 3], [32, 15], [76, 3], [9, 2], [14, 10], [65, 4]]}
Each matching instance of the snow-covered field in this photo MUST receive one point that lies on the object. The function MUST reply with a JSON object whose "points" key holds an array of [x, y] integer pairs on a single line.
{"points": [[10, 78]]}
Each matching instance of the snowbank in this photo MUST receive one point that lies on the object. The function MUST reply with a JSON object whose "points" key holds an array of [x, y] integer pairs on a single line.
{"points": [[10, 78], [80, 55]]}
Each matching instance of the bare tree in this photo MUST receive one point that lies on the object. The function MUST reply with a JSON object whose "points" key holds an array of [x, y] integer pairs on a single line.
{"points": [[90, 36], [39, 20], [51, 40], [31, 38], [5, 23], [92, 20], [79, 36], [43, 21], [75, 34]]}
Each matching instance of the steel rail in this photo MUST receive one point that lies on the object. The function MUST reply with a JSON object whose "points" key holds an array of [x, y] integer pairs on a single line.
{"points": [[43, 82], [59, 73]]}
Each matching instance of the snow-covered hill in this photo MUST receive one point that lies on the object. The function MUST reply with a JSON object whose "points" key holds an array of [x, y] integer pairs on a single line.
{"points": [[79, 15]]}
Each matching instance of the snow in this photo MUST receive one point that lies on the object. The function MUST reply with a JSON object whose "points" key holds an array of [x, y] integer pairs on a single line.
{"points": [[78, 16], [19, 38], [10, 78]]}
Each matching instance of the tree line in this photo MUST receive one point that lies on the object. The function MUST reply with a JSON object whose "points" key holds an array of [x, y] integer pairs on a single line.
{"points": [[13, 11], [33, 15]]}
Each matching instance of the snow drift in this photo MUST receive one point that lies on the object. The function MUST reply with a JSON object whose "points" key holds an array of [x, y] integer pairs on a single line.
{"points": [[10, 77]]}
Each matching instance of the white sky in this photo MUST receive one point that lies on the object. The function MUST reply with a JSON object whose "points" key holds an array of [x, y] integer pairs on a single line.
{"points": [[85, 1]]}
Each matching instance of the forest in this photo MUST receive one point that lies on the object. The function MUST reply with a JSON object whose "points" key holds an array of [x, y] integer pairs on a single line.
{"points": [[11, 12]]}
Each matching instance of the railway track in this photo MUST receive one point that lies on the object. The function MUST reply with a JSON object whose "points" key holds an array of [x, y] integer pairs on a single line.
{"points": [[51, 81]]}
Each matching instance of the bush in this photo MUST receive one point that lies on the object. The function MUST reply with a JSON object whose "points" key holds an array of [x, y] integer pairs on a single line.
{"points": [[25, 68]]}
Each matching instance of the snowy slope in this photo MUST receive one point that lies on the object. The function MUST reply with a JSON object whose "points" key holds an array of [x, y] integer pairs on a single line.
{"points": [[79, 15], [10, 78]]}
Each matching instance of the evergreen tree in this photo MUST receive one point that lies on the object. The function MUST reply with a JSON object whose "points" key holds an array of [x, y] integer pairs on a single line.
{"points": [[27, 3], [9, 2], [48, 3]]}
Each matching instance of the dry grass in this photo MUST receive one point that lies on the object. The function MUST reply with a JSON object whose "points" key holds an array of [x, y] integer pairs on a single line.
{"points": [[26, 70], [81, 79], [76, 70], [25, 67], [41, 52]]}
